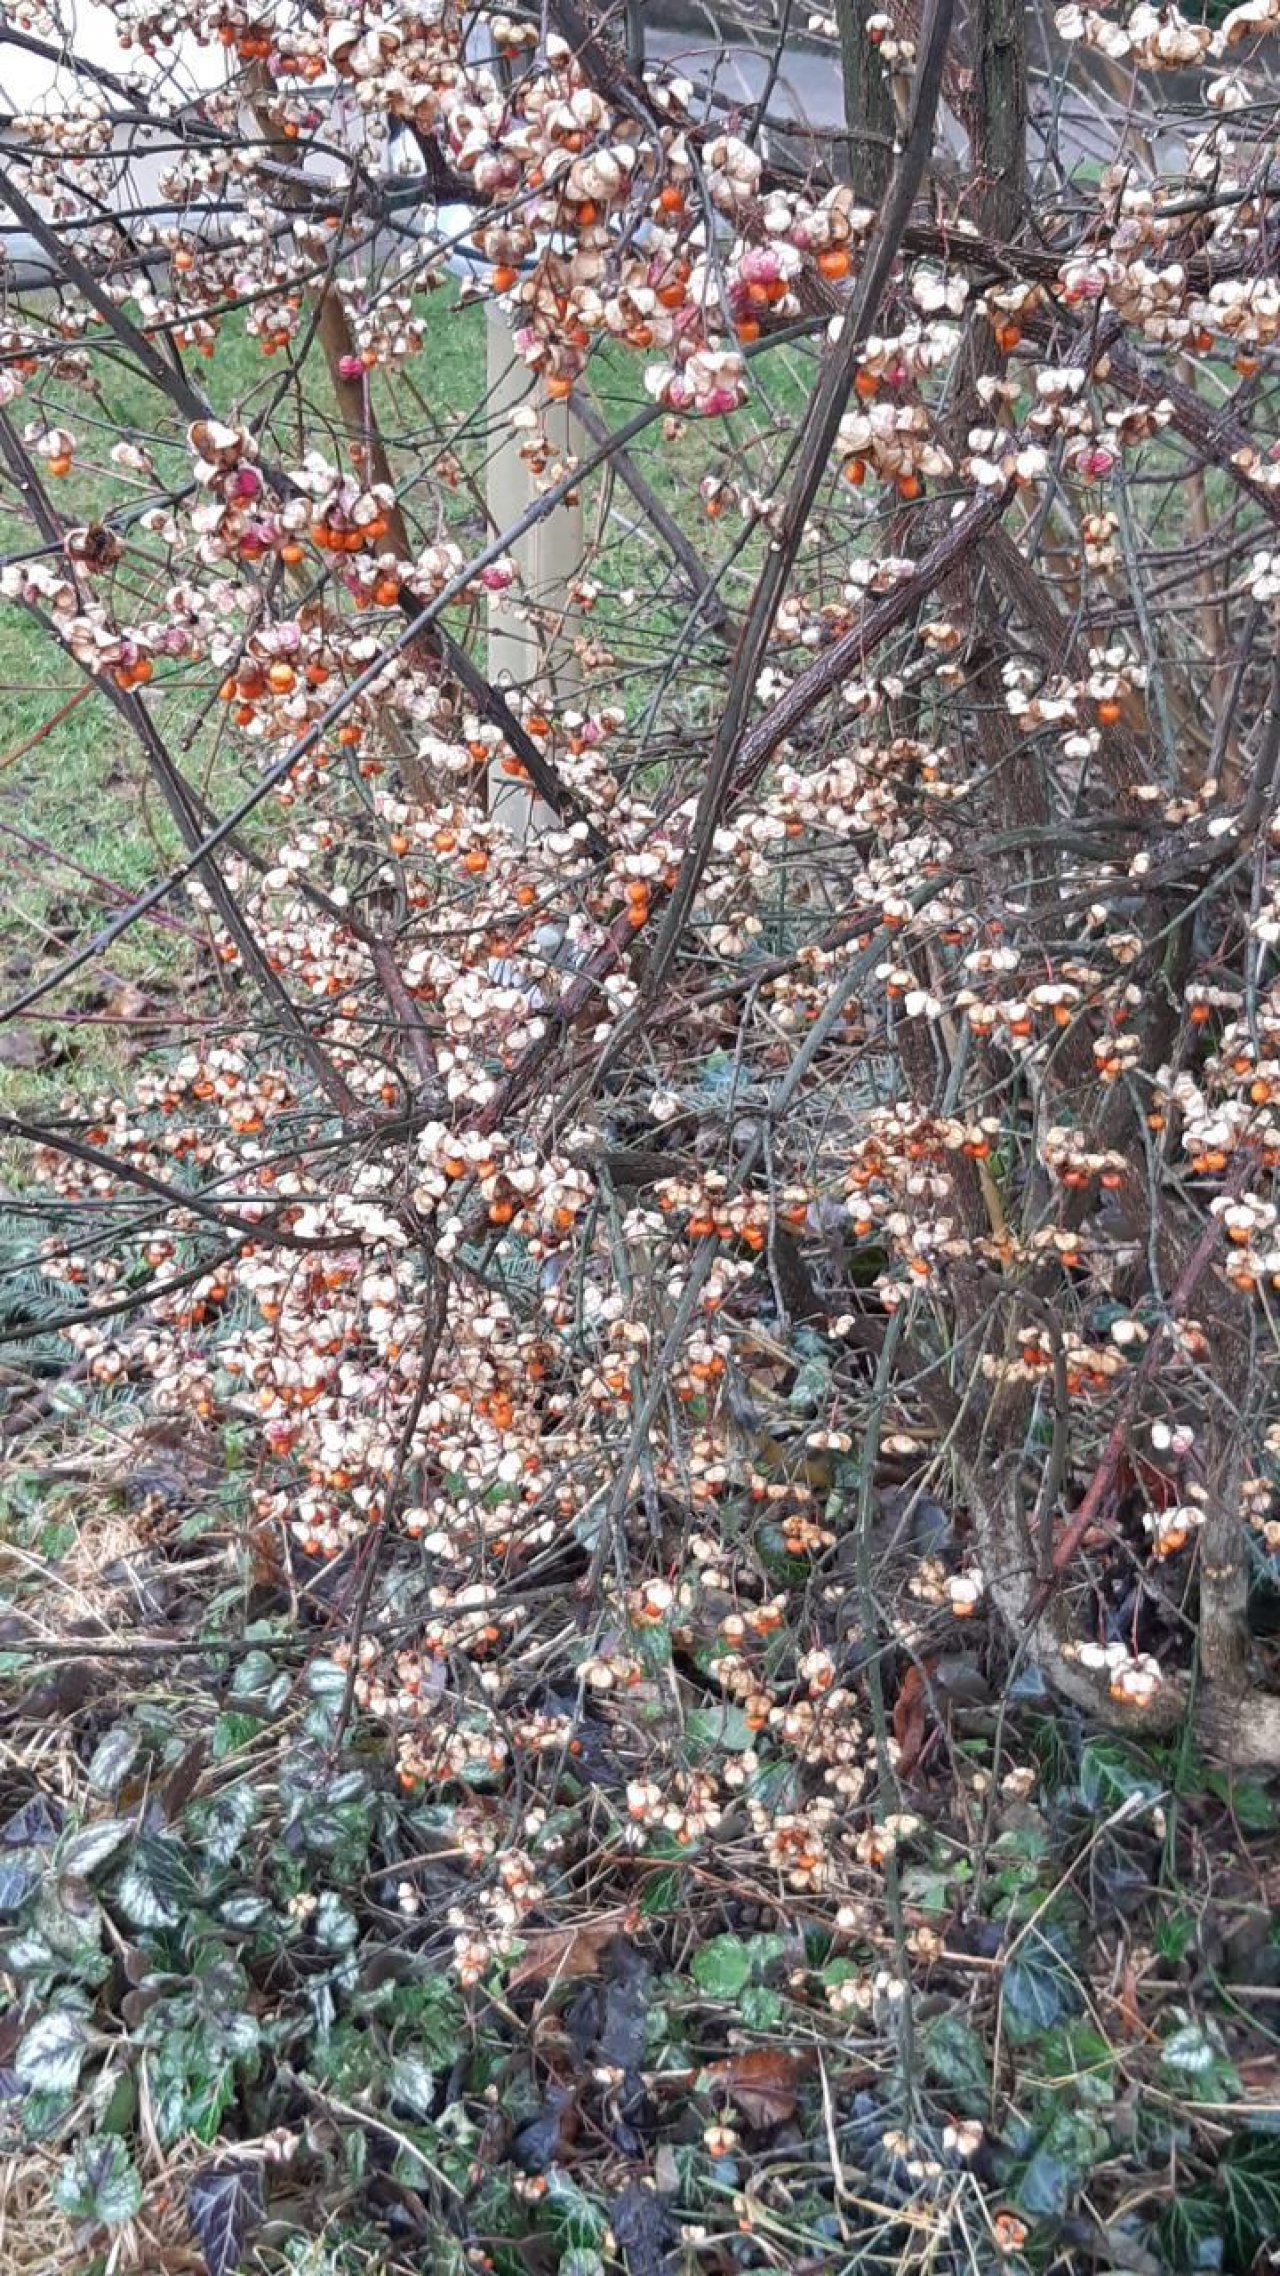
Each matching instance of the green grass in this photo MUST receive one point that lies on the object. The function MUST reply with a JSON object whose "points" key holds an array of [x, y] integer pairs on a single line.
{"points": [[79, 798], [76, 784]]}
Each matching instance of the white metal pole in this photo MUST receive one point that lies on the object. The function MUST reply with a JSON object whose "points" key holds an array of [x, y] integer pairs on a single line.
{"points": [[535, 659]]}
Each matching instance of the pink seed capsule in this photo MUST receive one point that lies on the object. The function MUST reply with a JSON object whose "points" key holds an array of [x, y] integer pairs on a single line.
{"points": [[1095, 464]]}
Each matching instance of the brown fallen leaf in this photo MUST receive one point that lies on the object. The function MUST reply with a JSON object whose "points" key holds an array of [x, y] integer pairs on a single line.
{"points": [[1127, 2001], [129, 1004], [762, 2083], [554, 1955], [909, 1720]]}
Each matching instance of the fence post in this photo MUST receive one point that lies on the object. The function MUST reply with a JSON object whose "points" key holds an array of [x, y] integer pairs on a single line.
{"points": [[535, 658]]}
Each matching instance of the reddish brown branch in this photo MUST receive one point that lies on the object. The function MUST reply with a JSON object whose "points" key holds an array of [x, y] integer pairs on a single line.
{"points": [[1103, 1481]]}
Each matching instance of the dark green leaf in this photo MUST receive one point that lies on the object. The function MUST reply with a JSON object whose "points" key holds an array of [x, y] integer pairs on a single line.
{"points": [[720, 1729], [769, 1543], [157, 1886], [245, 1912], [1175, 1935], [955, 2058], [99, 2183], [760, 2008], [83, 1853], [722, 1967], [27, 1955], [220, 1824], [1249, 2180], [254, 1673], [577, 2219], [192, 2087], [1039, 1989], [224, 2204], [1069, 2146], [232, 1731], [430, 2016], [1195, 2053], [326, 1680], [1074, 2058], [1112, 1773], [1251, 1806], [44, 2115], [19, 1874], [332, 1925], [662, 1894], [112, 1759], [1188, 2234], [931, 1887], [412, 2083], [50, 2055], [1026, 1844], [35, 1826]]}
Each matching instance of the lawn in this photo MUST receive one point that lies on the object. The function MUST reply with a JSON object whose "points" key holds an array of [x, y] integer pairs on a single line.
{"points": [[85, 825]]}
